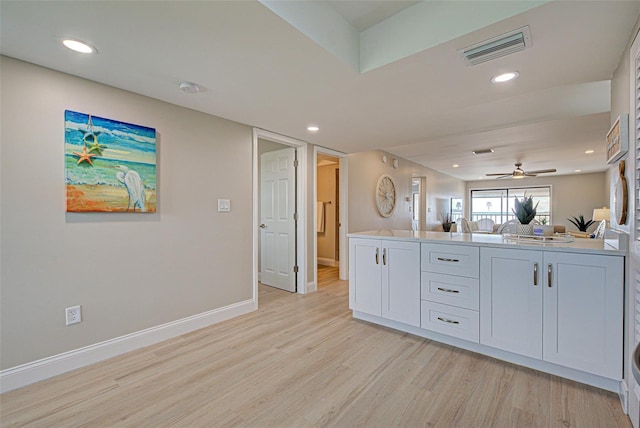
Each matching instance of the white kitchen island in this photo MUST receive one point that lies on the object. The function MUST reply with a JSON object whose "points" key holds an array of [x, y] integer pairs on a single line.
{"points": [[557, 307]]}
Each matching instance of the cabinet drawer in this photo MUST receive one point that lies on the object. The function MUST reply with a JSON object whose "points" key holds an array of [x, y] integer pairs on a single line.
{"points": [[458, 322], [458, 260], [450, 290]]}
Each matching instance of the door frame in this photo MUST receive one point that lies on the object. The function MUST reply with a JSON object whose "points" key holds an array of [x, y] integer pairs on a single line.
{"points": [[343, 186], [301, 194]]}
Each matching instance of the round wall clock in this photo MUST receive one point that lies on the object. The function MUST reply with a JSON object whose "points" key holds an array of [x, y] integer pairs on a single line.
{"points": [[386, 196], [622, 197]]}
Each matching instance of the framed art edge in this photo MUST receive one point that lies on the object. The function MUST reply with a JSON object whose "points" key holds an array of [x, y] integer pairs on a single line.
{"points": [[618, 134]]}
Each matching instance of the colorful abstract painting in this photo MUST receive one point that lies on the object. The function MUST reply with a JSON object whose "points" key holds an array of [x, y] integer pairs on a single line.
{"points": [[110, 166]]}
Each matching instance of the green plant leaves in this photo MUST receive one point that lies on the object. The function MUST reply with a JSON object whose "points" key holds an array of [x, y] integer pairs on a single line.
{"points": [[580, 223], [525, 211]]}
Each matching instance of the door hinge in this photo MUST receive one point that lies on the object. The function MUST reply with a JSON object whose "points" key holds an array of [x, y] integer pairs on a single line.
{"points": [[295, 269], [295, 163], [295, 216]]}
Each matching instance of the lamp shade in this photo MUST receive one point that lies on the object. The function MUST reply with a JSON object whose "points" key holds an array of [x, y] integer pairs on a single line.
{"points": [[600, 214]]}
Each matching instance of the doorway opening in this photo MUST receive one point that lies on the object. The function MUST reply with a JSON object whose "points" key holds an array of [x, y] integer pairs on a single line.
{"points": [[327, 217], [279, 200], [419, 203], [330, 216]]}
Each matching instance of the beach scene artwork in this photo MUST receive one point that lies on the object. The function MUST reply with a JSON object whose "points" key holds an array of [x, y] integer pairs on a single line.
{"points": [[110, 166]]}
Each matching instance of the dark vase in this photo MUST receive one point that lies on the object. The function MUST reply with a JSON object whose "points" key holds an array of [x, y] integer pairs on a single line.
{"points": [[446, 227]]}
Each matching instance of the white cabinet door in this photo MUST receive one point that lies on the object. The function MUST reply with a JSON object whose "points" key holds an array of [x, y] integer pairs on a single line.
{"points": [[401, 281], [365, 276], [511, 300], [583, 310]]}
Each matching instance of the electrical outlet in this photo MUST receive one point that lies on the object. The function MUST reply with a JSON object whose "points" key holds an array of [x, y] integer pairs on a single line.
{"points": [[73, 314]]}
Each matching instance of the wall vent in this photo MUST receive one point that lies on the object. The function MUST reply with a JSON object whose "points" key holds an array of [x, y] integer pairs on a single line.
{"points": [[497, 47]]}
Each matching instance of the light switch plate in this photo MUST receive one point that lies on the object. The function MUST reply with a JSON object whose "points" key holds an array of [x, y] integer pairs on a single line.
{"points": [[224, 205]]}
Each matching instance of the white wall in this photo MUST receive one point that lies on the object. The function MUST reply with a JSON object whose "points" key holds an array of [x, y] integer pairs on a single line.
{"points": [[128, 271], [571, 195], [364, 170]]}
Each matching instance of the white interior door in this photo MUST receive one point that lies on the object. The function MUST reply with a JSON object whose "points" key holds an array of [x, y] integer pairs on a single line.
{"points": [[277, 219]]}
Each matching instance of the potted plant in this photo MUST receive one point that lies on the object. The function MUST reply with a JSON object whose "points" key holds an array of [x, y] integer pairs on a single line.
{"points": [[581, 223], [446, 221], [525, 211]]}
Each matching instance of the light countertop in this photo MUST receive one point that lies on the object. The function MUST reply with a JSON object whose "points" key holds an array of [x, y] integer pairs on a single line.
{"points": [[614, 244]]}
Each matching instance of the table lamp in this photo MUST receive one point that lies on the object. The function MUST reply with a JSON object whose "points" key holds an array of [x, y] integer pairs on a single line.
{"points": [[600, 214]]}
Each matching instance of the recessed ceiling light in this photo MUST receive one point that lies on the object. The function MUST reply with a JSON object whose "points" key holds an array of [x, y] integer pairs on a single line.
{"points": [[455, 165], [312, 128], [589, 152], [505, 77], [78, 46], [190, 88], [577, 170]]}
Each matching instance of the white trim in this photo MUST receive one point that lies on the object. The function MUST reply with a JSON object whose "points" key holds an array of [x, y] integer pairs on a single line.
{"points": [[344, 219], [325, 261], [629, 392], [45, 368], [302, 205], [623, 395], [312, 287], [343, 266]]}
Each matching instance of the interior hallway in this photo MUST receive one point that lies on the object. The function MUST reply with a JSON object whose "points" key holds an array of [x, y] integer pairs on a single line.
{"points": [[301, 360]]}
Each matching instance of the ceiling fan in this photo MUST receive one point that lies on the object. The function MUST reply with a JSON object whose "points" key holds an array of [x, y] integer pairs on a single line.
{"points": [[520, 173]]}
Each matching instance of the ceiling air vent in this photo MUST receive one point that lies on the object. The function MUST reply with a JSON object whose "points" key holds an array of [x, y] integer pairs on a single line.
{"points": [[482, 151], [497, 47]]}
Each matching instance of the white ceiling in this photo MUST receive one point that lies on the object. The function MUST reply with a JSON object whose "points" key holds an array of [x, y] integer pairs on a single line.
{"points": [[419, 100]]}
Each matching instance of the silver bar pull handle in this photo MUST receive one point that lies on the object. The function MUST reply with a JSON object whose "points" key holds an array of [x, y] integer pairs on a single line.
{"points": [[448, 290], [444, 259], [448, 321], [377, 256], [384, 256], [535, 274], [549, 274]]}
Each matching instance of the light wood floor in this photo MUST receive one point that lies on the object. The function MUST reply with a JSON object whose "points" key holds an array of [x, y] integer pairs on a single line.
{"points": [[303, 361]]}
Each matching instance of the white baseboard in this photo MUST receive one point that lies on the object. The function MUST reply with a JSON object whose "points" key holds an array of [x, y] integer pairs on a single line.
{"points": [[311, 287], [45, 368], [327, 262], [623, 394]]}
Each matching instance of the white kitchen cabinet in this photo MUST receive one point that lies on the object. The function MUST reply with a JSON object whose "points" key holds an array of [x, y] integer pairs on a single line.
{"points": [[460, 260], [450, 320], [511, 300], [563, 308], [450, 290], [583, 312], [384, 279], [365, 276]]}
